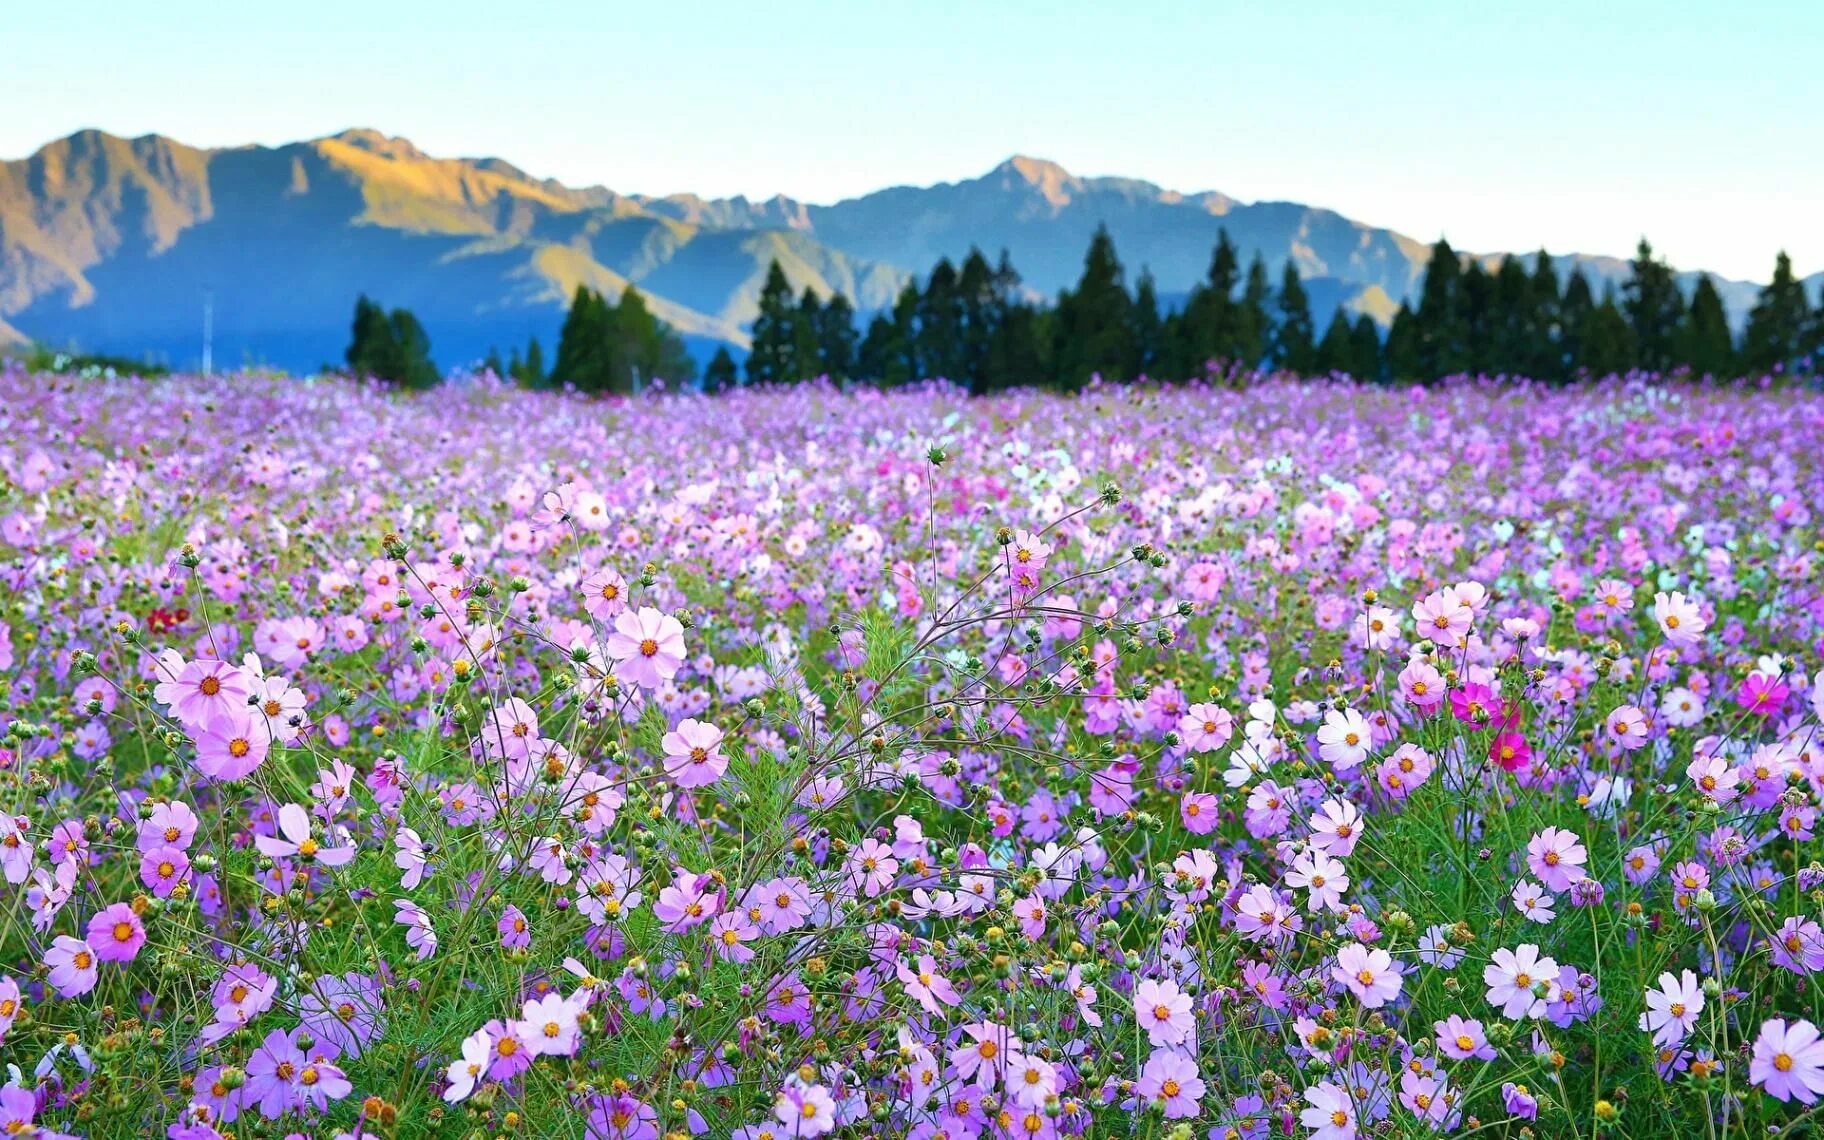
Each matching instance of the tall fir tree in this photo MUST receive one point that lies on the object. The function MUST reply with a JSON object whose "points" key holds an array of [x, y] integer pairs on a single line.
{"points": [[1208, 329], [978, 308], [1148, 328], [1093, 324], [1515, 319], [940, 324], [617, 349], [1443, 341], [1608, 345], [1016, 355], [1253, 324], [1365, 345], [1576, 313], [1476, 317], [1779, 322], [1405, 351], [769, 361], [532, 368], [390, 346], [582, 343], [836, 339], [1545, 357], [1654, 307], [1706, 344], [1336, 350], [1293, 338], [807, 338], [720, 375]]}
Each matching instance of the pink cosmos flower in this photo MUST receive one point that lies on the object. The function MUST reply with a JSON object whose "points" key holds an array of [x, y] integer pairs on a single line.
{"points": [[1761, 694], [116, 934], [1198, 811], [805, 1110], [1788, 1061], [1164, 1011], [203, 692], [872, 867], [1369, 974], [1509, 751], [1171, 1078], [233, 746], [1205, 727], [1672, 1008], [604, 594], [548, 1026], [1329, 1112], [296, 841], [72, 966], [1463, 1039], [693, 754], [729, 934], [647, 647], [927, 987], [162, 869], [1520, 981], [1679, 618], [168, 825], [1556, 858], [1336, 828]]}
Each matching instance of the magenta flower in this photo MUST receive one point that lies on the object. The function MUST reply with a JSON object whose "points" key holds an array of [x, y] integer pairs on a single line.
{"points": [[232, 747], [515, 931], [116, 934], [1171, 1078]]}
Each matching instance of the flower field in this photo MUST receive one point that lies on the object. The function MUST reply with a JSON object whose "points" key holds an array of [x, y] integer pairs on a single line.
{"points": [[1297, 760]]}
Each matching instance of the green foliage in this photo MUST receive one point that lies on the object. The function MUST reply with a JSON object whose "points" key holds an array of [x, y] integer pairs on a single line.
{"points": [[616, 349], [720, 376], [1093, 334], [1777, 325], [1655, 309], [770, 359], [390, 346], [1293, 334], [1705, 343]]}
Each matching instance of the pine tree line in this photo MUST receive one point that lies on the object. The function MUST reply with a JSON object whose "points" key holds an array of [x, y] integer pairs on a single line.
{"points": [[976, 326]]}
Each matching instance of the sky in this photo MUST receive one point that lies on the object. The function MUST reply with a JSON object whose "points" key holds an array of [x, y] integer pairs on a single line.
{"points": [[1578, 127]]}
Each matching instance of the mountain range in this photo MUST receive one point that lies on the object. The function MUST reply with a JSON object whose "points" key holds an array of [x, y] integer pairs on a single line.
{"points": [[110, 245]]}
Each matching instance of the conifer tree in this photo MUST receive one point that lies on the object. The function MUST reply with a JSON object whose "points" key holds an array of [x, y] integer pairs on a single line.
{"points": [[1405, 352], [836, 339], [1293, 349], [1654, 307], [1365, 342], [1705, 342], [1094, 324], [1336, 351], [720, 376], [807, 338], [1442, 337], [1253, 325], [769, 361], [1147, 327], [1779, 321]]}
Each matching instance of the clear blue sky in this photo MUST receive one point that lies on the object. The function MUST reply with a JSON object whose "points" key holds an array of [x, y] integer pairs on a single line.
{"points": [[1578, 126]]}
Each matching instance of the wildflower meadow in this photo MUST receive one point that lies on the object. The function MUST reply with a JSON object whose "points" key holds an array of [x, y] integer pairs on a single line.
{"points": [[1289, 759]]}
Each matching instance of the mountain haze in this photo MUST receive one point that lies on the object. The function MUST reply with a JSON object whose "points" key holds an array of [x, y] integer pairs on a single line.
{"points": [[110, 244]]}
